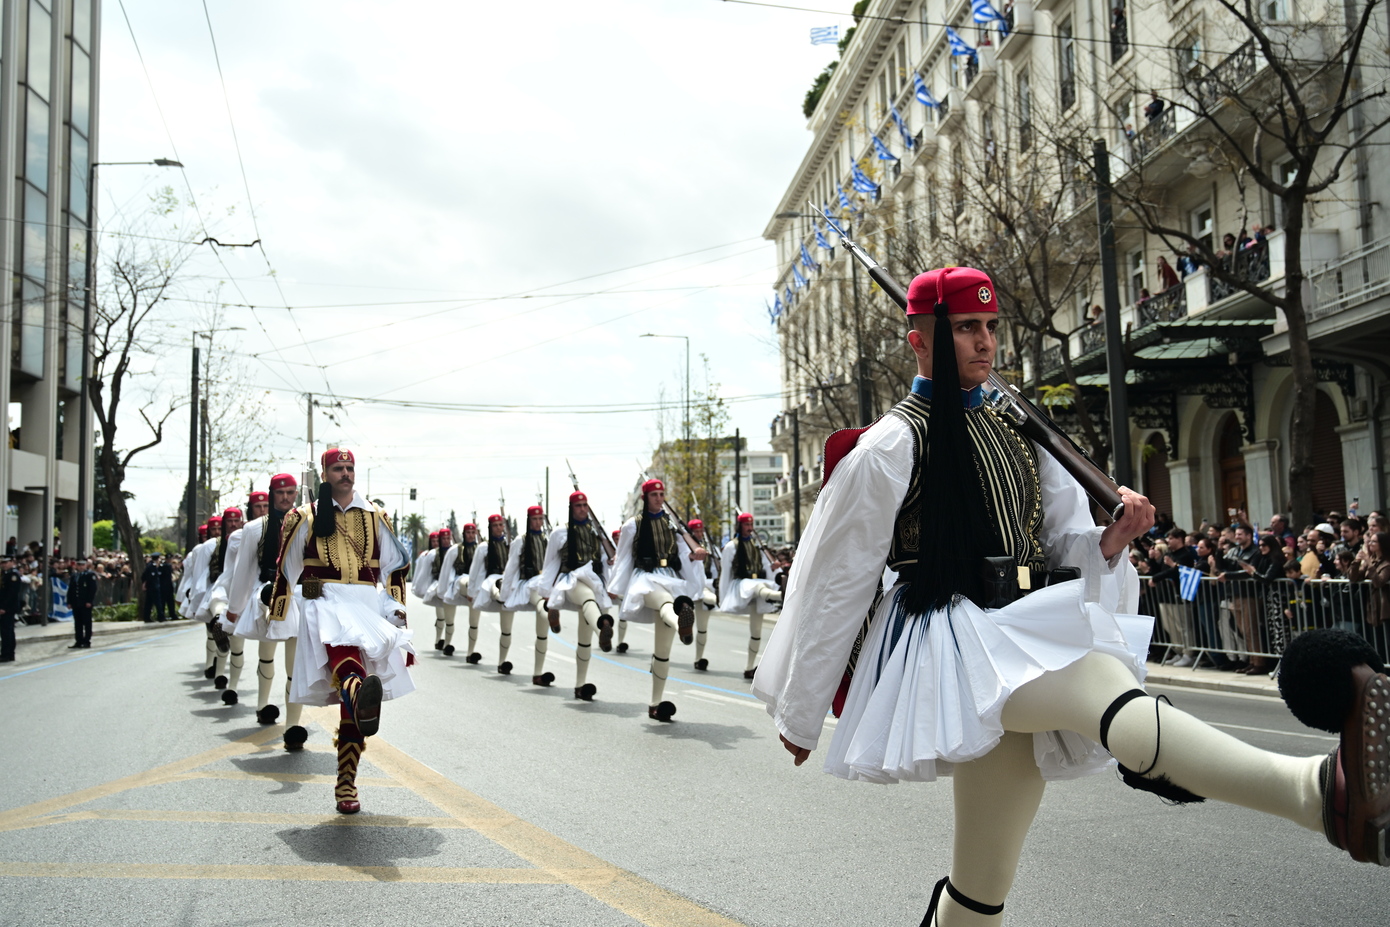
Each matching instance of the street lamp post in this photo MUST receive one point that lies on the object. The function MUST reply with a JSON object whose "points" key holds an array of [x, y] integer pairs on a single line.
{"points": [[688, 449], [84, 413]]}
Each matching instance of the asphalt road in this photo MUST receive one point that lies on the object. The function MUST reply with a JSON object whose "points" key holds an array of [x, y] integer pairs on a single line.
{"points": [[133, 796]]}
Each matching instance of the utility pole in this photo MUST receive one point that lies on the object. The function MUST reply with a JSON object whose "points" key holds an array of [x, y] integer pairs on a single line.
{"points": [[191, 503], [310, 473], [738, 475], [207, 454], [1122, 467]]}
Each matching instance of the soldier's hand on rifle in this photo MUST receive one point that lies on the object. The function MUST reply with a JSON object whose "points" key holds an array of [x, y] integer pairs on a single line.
{"points": [[1136, 518], [699, 553]]}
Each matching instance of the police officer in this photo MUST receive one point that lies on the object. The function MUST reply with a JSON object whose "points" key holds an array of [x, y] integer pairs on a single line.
{"points": [[11, 604], [82, 597], [154, 599]]}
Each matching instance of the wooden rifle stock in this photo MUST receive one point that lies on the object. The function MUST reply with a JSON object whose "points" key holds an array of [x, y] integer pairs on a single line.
{"points": [[1031, 421], [605, 540]]}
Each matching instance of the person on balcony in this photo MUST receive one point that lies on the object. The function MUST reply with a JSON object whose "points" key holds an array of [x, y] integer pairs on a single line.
{"points": [[1166, 274], [1154, 108]]}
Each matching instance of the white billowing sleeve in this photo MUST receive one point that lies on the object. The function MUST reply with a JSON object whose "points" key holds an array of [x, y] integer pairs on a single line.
{"points": [[446, 573], [692, 571], [475, 571], [218, 596], [292, 564], [513, 570], [202, 583], [622, 562], [393, 558], [420, 583], [190, 572], [833, 581], [1071, 538], [550, 570], [726, 571], [246, 574]]}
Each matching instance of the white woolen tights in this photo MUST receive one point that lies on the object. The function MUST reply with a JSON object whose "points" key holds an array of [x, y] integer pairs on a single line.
{"points": [[588, 624], [997, 795], [661, 602]]}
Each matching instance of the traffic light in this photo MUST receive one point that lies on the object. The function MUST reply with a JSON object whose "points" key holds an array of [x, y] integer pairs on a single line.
{"points": [[412, 494]]}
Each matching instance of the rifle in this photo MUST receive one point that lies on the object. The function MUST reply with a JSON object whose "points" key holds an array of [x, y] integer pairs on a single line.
{"points": [[1032, 422], [603, 536], [713, 561]]}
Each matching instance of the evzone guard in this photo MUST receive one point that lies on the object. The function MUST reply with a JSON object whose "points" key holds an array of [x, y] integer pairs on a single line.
{"points": [[190, 569], [747, 586], [257, 504], [189, 593], [426, 586], [523, 584], [344, 571], [653, 568], [573, 577], [453, 590], [708, 599], [220, 528], [961, 676], [485, 587], [248, 594]]}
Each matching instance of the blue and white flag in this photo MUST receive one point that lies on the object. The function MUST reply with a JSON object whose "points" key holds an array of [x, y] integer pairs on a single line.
{"points": [[776, 306], [799, 280], [860, 180], [908, 140], [923, 94], [825, 35], [790, 299], [806, 259], [958, 45], [1188, 581], [845, 204], [771, 313], [61, 610], [883, 153], [821, 240], [983, 12]]}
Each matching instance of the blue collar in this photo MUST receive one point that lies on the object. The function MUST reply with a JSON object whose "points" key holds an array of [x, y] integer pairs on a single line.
{"points": [[535, 531], [661, 514], [972, 398], [584, 522]]}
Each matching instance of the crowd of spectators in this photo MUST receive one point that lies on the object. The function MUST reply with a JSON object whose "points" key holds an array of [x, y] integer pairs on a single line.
{"points": [[115, 582], [1261, 586]]}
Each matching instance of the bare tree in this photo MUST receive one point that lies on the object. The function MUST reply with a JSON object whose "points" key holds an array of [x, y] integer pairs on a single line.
{"points": [[1286, 114]]}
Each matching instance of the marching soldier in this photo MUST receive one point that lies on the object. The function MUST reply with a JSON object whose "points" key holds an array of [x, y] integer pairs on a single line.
{"points": [[523, 584], [707, 601], [454, 571], [485, 587], [574, 575], [748, 585]]}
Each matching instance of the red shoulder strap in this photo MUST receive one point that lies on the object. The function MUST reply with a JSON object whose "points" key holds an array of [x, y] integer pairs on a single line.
{"points": [[837, 446]]}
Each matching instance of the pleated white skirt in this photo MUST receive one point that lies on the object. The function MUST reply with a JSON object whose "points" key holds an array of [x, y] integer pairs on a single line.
{"points": [[559, 593], [347, 616], [928, 692], [254, 623]]}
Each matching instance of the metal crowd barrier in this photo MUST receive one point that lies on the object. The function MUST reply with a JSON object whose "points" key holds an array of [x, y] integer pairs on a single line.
{"points": [[1255, 618]]}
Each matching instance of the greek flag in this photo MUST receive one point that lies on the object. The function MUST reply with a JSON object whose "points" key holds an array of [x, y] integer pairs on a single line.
{"points": [[776, 306], [1188, 581], [799, 280], [806, 260], [825, 35], [958, 45], [771, 313], [845, 204], [923, 94], [902, 128], [860, 181], [983, 12], [61, 610], [883, 153], [821, 240]]}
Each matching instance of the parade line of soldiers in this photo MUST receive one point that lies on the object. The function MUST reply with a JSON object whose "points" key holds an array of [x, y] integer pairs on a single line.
{"points": [[323, 585]]}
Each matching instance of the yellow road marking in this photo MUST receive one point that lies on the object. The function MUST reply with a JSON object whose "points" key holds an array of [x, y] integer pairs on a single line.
{"points": [[252, 817], [325, 873], [237, 775]]}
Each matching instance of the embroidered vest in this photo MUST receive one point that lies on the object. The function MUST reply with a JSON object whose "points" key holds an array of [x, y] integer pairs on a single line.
{"points": [[748, 561], [1008, 470], [658, 533], [581, 547], [532, 554], [351, 555], [437, 562], [464, 561], [496, 563]]}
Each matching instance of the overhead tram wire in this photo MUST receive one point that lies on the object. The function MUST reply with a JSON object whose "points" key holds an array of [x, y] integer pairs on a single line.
{"points": [[250, 202], [193, 200]]}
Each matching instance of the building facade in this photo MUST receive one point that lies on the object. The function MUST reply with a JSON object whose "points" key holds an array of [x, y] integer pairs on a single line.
{"points": [[49, 62], [926, 151]]}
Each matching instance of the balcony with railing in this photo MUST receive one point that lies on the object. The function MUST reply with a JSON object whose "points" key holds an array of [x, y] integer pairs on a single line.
{"points": [[981, 69], [1018, 17], [1155, 132], [1168, 306], [1229, 75], [947, 113]]}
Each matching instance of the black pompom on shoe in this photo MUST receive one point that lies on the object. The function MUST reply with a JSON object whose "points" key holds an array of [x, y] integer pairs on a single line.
{"points": [[439, 644], [475, 657], [702, 664], [229, 697], [295, 738], [220, 683], [505, 669], [1315, 676], [448, 650], [210, 672], [586, 692], [663, 712], [544, 679], [268, 715], [622, 648]]}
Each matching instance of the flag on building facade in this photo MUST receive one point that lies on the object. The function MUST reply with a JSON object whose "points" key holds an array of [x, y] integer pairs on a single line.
{"points": [[983, 12], [861, 181], [825, 35], [958, 45], [898, 120], [883, 153], [923, 94], [776, 306], [799, 280], [806, 259], [845, 204], [821, 240]]}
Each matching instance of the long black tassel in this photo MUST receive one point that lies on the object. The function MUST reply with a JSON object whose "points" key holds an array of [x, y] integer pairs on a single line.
{"points": [[325, 522]]}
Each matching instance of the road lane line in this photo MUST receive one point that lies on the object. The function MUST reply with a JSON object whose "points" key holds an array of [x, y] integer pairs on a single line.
{"points": [[88, 656], [646, 671], [1268, 730], [249, 817], [322, 873], [237, 775]]}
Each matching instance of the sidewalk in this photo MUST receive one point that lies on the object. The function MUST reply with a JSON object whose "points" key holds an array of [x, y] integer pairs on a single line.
{"points": [[1212, 679], [62, 630]]}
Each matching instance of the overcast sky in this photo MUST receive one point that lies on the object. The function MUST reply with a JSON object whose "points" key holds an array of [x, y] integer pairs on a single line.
{"points": [[418, 157]]}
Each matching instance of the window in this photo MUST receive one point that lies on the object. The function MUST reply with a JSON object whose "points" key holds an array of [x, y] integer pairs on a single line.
{"points": [[1134, 264], [990, 151], [1025, 111], [957, 180], [1201, 223], [1066, 64], [1274, 11], [1190, 55], [900, 66], [1119, 31]]}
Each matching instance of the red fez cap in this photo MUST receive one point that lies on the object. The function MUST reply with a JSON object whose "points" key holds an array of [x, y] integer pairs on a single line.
{"points": [[616, 533], [231, 512], [744, 517], [695, 523], [494, 519], [435, 534], [962, 289], [203, 531], [257, 496], [445, 533], [578, 496], [470, 525], [653, 486], [337, 454], [283, 481], [534, 510], [215, 520]]}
